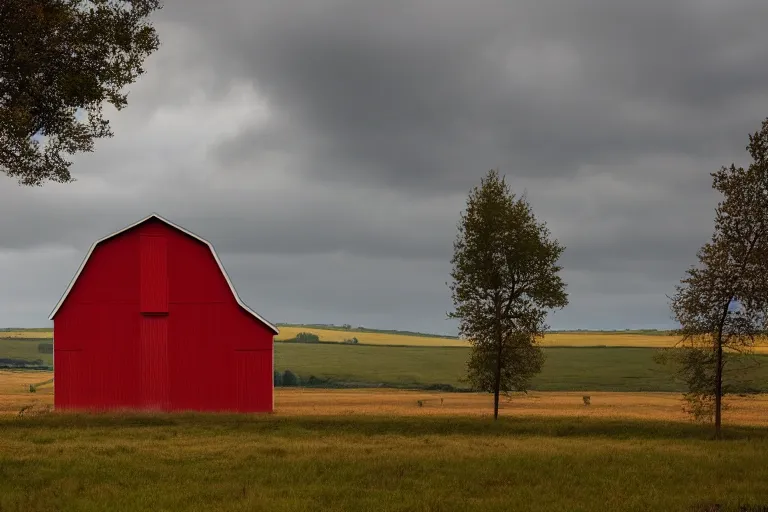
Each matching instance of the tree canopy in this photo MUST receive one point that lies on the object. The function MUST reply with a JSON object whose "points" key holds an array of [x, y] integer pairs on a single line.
{"points": [[505, 278], [721, 304], [60, 61]]}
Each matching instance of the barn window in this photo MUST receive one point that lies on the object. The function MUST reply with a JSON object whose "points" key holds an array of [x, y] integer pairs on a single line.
{"points": [[154, 274]]}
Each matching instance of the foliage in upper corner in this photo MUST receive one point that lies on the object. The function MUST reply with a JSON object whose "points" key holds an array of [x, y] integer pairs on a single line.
{"points": [[59, 58], [721, 304], [505, 278]]}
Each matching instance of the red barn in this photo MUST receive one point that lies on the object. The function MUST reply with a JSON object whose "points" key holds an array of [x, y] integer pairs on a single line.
{"points": [[151, 321]]}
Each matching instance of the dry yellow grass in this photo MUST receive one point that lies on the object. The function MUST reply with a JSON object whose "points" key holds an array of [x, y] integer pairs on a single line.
{"points": [[650, 406], [375, 338], [370, 338], [14, 390], [26, 334], [14, 394], [550, 340]]}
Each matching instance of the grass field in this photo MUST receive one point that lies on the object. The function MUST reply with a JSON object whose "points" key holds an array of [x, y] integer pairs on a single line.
{"points": [[554, 339], [560, 339], [23, 348], [750, 410], [27, 333], [565, 369], [355, 450], [352, 463], [372, 337]]}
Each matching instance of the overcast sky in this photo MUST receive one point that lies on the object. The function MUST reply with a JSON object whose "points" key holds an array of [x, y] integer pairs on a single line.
{"points": [[326, 149]]}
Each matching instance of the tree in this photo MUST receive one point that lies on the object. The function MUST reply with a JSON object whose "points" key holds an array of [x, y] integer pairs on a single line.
{"points": [[721, 304], [60, 60], [307, 337], [290, 378], [505, 278]]}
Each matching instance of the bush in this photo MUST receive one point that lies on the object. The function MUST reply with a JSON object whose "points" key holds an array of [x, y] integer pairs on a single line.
{"points": [[307, 337], [45, 348], [278, 378], [290, 378], [351, 341]]}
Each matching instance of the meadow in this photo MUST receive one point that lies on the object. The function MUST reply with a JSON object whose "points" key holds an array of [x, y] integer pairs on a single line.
{"points": [[358, 462], [585, 339], [565, 369], [383, 449], [643, 339]]}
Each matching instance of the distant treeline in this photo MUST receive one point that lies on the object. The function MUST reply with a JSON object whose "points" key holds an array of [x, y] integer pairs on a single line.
{"points": [[288, 379], [37, 364]]}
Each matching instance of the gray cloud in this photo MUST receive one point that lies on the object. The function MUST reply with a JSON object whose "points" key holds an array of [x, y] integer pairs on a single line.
{"points": [[326, 149], [423, 96]]}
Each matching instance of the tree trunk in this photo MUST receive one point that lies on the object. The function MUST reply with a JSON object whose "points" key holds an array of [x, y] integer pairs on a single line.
{"points": [[497, 386], [497, 383], [718, 387]]}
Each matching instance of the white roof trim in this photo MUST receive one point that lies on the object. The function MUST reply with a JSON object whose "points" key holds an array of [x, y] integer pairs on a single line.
{"points": [[166, 221]]}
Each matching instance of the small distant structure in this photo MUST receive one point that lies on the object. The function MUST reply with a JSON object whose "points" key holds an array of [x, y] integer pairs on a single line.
{"points": [[151, 321]]}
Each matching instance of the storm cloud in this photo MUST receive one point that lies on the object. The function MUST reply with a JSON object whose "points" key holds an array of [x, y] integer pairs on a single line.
{"points": [[326, 149]]}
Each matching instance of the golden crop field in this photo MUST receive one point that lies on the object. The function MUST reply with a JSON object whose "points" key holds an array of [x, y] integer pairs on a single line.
{"points": [[576, 339], [14, 390], [370, 338], [26, 334], [14, 394], [550, 340]]}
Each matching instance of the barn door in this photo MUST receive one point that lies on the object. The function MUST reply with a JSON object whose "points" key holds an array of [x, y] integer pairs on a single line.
{"points": [[254, 380], [155, 379]]}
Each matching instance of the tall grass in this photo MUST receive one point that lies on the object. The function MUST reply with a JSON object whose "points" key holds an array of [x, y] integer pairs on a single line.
{"points": [[236, 463]]}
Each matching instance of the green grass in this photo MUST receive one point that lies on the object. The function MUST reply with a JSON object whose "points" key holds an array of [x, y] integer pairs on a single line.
{"points": [[565, 369], [239, 463], [25, 349]]}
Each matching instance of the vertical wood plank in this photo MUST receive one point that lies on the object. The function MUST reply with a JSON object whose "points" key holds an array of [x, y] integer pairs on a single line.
{"points": [[154, 274], [154, 362]]}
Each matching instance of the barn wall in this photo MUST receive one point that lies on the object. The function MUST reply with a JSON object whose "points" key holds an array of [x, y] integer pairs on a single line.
{"points": [[135, 342], [153, 272], [95, 331]]}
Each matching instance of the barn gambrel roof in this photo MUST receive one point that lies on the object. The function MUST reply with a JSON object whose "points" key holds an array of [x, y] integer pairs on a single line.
{"points": [[242, 304]]}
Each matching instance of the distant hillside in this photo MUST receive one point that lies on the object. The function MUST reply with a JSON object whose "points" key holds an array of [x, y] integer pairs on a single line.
{"points": [[639, 332], [26, 329], [348, 327]]}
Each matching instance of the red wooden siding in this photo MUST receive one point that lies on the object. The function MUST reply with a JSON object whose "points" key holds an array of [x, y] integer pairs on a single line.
{"points": [[154, 274], [151, 323], [154, 362], [70, 385], [254, 368]]}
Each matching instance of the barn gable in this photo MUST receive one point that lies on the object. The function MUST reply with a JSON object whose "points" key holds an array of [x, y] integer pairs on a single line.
{"points": [[158, 298]]}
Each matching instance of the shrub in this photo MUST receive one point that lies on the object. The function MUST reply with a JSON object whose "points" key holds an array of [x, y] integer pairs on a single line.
{"points": [[290, 378], [45, 348], [351, 341], [307, 337], [278, 378]]}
